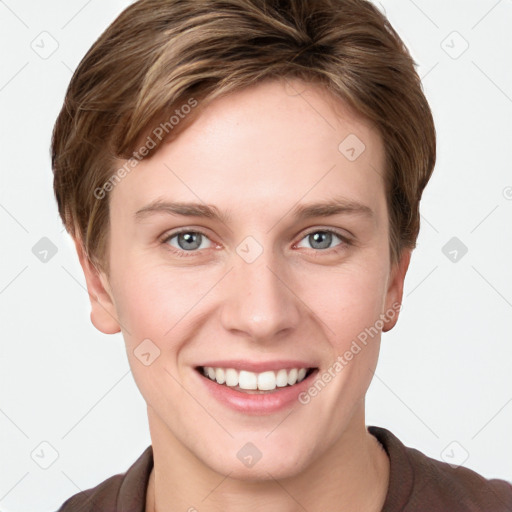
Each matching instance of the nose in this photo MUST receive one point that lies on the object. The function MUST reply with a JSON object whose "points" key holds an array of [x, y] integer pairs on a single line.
{"points": [[260, 303]]}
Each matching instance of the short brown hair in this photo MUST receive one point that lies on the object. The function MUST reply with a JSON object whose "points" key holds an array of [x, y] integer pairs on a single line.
{"points": [[158, 54]]}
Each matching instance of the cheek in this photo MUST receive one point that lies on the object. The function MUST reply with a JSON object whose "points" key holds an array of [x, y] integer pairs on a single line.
{"points": [[162, 305], [151, 299], [346, 301], [140, 309], [149, 308]]}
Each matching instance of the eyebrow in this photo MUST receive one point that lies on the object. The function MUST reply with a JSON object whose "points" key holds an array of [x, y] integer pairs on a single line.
{"points": [[335, 206]]}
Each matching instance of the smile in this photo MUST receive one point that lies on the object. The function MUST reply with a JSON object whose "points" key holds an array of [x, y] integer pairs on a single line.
{"points": [[253, 382]]}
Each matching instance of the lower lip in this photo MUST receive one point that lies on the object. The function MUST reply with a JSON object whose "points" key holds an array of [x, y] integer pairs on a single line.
{"points": [[249, 403]]}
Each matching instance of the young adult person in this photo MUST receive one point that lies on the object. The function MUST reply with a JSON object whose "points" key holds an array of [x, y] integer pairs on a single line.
{"points": [[242, 180]]}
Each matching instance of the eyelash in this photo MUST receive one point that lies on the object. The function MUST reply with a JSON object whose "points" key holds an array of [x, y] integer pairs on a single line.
{"points": [[318, 252]]}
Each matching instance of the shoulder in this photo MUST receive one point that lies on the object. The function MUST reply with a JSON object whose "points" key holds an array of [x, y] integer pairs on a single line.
{"points": [[102, 497], [124, 491], [420, 483], [461, 487]]}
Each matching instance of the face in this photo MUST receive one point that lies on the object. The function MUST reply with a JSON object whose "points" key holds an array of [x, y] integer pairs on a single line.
{"points": [[251, 277]]}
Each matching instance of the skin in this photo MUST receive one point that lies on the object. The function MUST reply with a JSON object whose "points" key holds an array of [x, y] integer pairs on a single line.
{"points": [[255, 153]]}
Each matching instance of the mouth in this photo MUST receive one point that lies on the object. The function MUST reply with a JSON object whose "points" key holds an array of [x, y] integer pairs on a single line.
{"points": [[266, 382]]}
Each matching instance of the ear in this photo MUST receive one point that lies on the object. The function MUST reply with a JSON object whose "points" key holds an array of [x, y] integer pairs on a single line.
{"points": [[395, 289], [103, 311]]}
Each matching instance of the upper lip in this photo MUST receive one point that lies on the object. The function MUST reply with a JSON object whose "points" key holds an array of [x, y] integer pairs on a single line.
{"points": [[260, 366]]}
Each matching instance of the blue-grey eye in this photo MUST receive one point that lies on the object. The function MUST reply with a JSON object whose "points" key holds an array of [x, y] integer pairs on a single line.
{"points": [[188, 240], [321, 239]]}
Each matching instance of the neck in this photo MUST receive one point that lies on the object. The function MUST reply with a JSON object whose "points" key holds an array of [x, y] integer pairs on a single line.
{"points": [[352, 475]]}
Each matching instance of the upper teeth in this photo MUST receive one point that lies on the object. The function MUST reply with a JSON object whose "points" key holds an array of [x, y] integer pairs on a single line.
{"points": [[265, 381]]}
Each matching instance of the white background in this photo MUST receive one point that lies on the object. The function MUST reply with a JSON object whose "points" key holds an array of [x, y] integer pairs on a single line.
{"points": [[444, 380]]}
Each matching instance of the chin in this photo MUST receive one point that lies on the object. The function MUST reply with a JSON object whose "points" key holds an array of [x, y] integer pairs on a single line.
{"points": [[249, 463], [260, 472]]}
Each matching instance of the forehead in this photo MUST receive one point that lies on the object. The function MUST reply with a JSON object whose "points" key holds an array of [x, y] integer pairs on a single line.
{"points": [[268, 146]]}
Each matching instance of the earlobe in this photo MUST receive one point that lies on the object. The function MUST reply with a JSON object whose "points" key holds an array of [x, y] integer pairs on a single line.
{"points": [[103, 311], [395, 290]]}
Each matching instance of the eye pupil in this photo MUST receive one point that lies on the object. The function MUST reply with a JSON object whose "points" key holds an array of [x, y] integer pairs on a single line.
{"points": [[191, 240], [324, 238]]}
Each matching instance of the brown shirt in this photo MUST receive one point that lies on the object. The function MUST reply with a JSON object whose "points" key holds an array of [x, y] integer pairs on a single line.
{"points": [[417, 483]]}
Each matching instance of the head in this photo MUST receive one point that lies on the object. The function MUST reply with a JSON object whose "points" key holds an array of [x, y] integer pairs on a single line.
{"points": [[253, 110]]}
